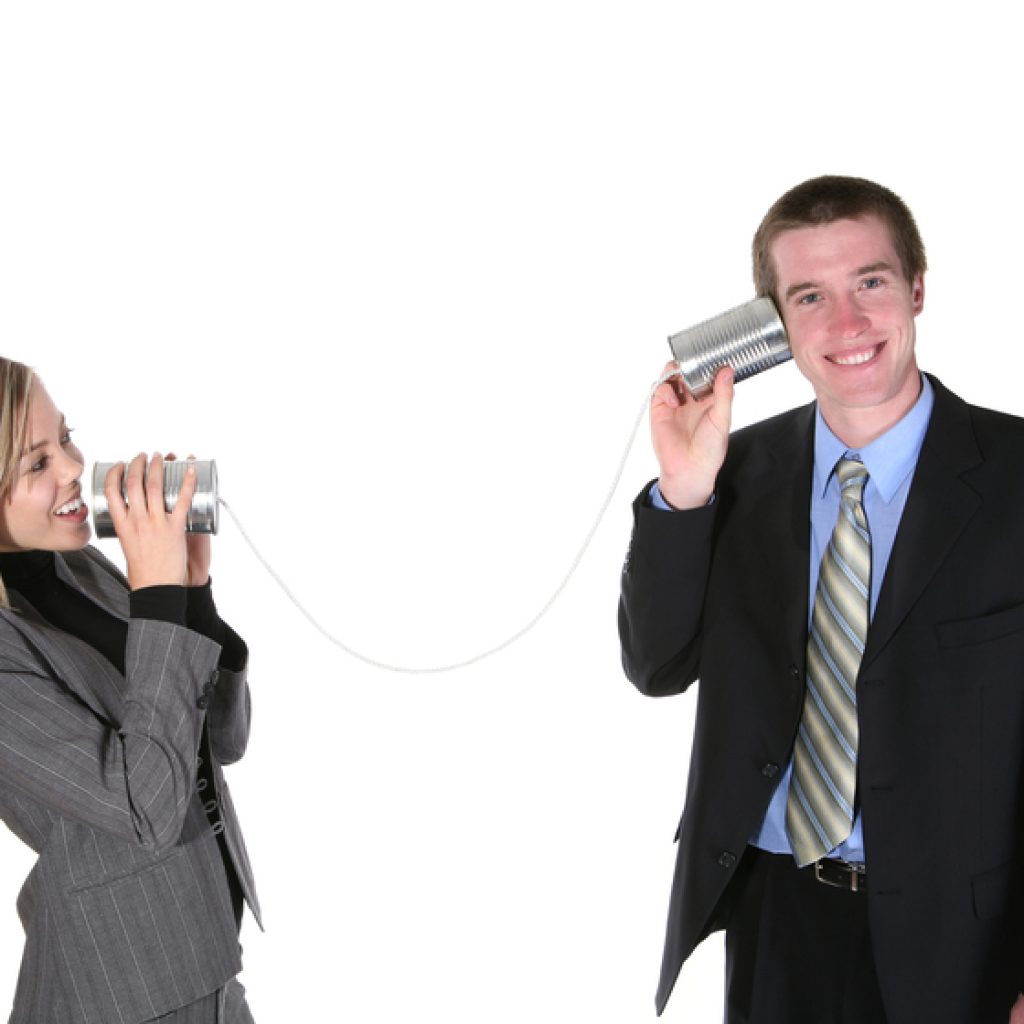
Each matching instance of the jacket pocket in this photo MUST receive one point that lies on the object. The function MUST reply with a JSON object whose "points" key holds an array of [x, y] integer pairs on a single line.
{"points": [[991, 892], [153, 941], [981, 630]]}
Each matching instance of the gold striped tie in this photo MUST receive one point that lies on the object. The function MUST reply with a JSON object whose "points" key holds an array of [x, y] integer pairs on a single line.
{"points": [[819, 809]]}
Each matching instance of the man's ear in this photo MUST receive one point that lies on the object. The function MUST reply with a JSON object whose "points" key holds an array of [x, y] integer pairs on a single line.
{"points": [[917, 293]]}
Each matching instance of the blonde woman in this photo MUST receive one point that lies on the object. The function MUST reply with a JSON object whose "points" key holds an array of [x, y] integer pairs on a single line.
{"points": [[120, 699]]}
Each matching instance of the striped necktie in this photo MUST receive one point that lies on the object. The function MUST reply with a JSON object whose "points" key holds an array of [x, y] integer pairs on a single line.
{"points": [[819, 809]]}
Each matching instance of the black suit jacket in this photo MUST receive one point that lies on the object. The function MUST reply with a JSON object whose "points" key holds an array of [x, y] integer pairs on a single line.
{"points": [[720, 593]]}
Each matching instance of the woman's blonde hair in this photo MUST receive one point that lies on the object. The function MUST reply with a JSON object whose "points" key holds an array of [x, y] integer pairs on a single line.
{"points": [[15, 387]]}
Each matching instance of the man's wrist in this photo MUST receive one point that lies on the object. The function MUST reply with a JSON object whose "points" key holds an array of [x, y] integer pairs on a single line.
{"points": [[658, 500]]}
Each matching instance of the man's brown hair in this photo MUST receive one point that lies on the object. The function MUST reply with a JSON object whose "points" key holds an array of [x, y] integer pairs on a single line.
{"points": [[830, 198]]}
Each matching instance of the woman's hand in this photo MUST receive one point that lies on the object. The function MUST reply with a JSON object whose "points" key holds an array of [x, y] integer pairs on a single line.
{"points": [[198, 548], [153, 539], [198, 567]]}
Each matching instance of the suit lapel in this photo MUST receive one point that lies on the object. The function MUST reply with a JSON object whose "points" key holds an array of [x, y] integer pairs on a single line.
{"points": [[77, 664], [939, 506], [92, 575], [781, 519]]}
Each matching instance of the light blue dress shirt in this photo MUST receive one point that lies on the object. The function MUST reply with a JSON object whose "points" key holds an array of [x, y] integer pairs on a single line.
{"points": [[890, 460]]}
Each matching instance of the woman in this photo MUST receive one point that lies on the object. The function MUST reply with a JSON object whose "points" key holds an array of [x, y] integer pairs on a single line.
{"points": [[119, 701]]}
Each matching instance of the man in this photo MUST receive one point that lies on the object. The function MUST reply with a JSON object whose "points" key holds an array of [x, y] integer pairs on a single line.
{"points": [[847, 582]]}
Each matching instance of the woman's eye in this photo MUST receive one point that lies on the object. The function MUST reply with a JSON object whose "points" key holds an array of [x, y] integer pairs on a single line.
{"points": [[39, 465], [66, 436]]}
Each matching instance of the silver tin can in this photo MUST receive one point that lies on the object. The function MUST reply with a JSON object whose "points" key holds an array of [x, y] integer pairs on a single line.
{"points": [[203, 516], [749, 338]]}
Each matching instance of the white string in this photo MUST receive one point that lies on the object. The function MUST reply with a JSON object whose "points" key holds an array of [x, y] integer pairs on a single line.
{"points": [[490, 652]]}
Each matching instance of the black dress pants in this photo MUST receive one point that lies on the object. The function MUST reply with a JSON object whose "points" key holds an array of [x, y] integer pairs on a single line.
{"points": [[797, 951]]}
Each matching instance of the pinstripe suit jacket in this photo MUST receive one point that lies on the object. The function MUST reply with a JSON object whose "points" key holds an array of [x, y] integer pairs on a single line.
{"points": [[127, 912]]}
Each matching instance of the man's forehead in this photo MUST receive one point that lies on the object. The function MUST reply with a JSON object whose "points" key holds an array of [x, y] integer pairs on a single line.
{"points": [[854, 242]]}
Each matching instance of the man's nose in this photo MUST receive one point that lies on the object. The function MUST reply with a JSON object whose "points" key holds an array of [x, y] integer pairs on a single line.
{"points": [[849, 320]]}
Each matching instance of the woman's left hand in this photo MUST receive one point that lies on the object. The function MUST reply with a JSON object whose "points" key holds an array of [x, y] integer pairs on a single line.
{"points": [[198, 550]]}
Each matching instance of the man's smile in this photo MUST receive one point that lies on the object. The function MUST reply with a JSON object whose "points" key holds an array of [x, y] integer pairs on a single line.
{"points": [[857, 358]]}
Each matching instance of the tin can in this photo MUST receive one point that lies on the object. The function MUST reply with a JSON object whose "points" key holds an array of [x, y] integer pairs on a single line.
{"points": [[203, 515], [749, 338]]}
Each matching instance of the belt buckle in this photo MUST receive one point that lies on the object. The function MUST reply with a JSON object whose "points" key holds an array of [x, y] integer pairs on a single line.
{"points": [[855, 874]]}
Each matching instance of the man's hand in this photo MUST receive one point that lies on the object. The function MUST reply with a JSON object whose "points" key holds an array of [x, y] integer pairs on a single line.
{"points": [[1017, 1011], [690, 437]]}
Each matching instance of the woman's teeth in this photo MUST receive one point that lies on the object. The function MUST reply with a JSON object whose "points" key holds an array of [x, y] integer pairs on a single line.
{"points": [[71, 506]]}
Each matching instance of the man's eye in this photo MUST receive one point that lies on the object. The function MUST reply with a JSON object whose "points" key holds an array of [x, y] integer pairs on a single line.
{"points": [[873, 282], [809, 299]]}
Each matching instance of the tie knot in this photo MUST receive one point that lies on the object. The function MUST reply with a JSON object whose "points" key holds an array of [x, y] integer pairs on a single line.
{"points": [[852, 476]]}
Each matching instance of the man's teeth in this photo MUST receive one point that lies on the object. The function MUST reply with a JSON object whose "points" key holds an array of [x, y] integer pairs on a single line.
{"points": [[861, 357], [72, 506]]}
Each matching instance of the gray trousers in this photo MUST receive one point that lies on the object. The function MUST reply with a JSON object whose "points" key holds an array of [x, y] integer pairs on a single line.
{"points": [[225, 1006]]}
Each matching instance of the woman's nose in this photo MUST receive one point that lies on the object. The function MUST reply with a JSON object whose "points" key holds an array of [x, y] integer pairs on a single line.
{"points": [[70, 464]]}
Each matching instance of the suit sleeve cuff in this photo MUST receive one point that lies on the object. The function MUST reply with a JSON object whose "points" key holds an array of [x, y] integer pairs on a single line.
{"points": [[655, 500]]}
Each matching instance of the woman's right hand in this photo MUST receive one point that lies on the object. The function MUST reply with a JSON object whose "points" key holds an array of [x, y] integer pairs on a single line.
{"points": [[691, 437], [153, 539]]}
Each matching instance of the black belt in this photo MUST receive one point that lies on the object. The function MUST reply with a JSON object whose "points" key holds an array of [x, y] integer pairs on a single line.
{"points": [[842, 875]]}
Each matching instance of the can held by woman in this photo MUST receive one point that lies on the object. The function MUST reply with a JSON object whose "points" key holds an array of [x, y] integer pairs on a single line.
{"points": [[203, 514]]}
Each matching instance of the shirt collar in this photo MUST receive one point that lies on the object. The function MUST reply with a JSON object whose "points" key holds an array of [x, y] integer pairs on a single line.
{"points": [[889, 459]]}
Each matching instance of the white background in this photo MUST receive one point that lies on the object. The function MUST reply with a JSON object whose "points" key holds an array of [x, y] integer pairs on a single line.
{"points": [[406, 271]]}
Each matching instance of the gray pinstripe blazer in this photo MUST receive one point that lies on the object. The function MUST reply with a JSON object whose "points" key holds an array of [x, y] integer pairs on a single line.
{"points": [[127, 912]]}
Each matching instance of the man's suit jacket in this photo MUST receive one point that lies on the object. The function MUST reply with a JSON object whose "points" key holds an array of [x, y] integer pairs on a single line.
{"points": [[127, 912], [720, 593]]}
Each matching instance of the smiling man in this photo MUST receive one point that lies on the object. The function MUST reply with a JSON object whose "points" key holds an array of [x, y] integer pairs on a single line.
{"points": [[846, 581]]}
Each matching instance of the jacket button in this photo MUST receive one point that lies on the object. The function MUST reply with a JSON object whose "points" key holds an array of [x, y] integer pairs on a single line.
{"points": [[794, 672], [203, 702], [770, 770], [726, 859], [214, 678]]}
